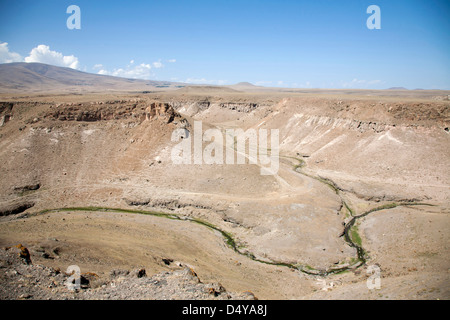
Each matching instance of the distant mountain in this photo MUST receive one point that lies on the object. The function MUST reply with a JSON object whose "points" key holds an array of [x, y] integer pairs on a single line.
{"points": [[244, 84], [38, 77], [397, 88]]}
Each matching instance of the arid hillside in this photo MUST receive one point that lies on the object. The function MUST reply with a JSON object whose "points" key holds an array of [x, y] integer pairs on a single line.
{"points": [[20, 77], [363, 180]]}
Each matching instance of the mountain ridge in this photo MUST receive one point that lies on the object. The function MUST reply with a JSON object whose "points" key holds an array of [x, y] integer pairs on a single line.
{"points": [[22, 76]]}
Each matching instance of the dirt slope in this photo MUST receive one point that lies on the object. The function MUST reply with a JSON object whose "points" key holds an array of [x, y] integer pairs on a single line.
{"points": [[114, 151]]}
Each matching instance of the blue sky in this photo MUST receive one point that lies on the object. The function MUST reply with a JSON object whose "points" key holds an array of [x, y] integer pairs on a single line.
{"points": [[304, 44]]}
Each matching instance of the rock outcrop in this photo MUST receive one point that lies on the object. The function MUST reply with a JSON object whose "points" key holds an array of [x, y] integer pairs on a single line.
{"points": [[115, 110], [5, 112], [160, 110], [240, 107], [22, 280]]}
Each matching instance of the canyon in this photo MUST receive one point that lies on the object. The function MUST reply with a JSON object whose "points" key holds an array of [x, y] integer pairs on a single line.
{"points": [[363, 180]]}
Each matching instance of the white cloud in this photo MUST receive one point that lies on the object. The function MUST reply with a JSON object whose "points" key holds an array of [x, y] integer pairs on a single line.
{"points": [[306, 84], [43, 54], [133, 70], [358, 83], [141, 71], [158, 64], [7, 56], [204, 81], [375, 82], [263, 83], [192, 80]]}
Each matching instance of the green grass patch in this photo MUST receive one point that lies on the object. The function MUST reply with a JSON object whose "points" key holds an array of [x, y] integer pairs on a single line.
{"points": [[356, 238], [228, 237], [349, 210], [342, 271]]}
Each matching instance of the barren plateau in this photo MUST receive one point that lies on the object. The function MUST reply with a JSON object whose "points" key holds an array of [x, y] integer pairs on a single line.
{"points": [[87, 179]]}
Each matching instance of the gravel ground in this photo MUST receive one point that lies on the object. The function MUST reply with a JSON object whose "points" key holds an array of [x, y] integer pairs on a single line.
{"points": [[21, 279]]}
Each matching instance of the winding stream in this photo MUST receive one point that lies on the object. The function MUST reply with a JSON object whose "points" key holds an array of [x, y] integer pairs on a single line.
{"points": [[349, 234]]}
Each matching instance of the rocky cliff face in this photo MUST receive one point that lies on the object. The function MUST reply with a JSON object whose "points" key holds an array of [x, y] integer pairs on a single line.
{"points": [[240, 107], [160, 110], [112, 110], [21, 279], [352, 140], [117, 154], [5, 112]]}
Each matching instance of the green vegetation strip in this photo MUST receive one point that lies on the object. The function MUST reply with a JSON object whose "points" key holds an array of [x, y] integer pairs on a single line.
{"points": [[350, 233], [227, 236]]}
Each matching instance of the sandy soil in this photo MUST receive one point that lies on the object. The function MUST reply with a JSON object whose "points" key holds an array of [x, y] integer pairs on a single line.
{"points": [[377, 148]]}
